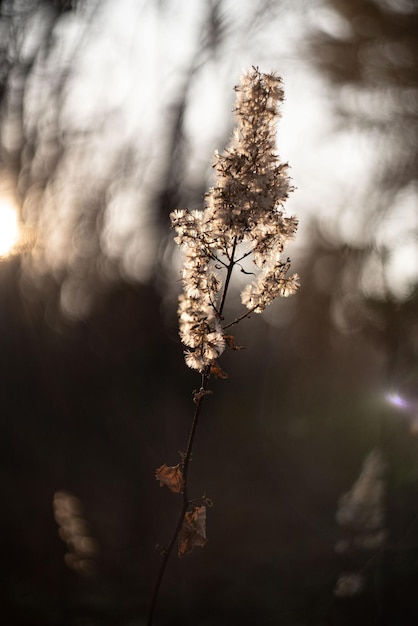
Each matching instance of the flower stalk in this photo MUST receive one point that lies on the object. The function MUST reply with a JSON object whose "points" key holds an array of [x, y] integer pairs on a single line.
{"points": [[185, 500]]}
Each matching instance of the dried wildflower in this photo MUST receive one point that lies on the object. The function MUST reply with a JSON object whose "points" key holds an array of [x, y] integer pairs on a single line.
{"points": [[193, 531], [243, 217], [243, 208], [171, 477]]}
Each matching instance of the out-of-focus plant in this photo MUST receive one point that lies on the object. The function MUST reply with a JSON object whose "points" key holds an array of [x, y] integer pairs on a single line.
{"points": [[243, 218], [74, 531], [361, 516]]}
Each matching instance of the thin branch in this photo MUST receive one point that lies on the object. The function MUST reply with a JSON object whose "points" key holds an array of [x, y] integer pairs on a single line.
{"points": [[242, 317], [217, 259], [244, 256]]}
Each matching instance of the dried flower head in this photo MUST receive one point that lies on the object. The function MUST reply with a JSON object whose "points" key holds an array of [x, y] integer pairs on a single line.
{"points": [[243, 216]]}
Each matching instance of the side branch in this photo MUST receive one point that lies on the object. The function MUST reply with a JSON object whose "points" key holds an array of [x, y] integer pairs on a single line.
{"points": [[241, 317]]}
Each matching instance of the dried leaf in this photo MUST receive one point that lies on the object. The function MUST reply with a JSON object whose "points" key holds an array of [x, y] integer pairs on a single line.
{"points": [[193, 531], [230, 342], [217, 371], [172, 477]]}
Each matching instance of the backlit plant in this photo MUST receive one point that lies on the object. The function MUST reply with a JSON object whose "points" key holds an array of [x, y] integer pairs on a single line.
{"points": [[243, 218]]}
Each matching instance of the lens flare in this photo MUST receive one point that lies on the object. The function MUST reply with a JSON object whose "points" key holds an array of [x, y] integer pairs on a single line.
{"points": [[396, 400]]}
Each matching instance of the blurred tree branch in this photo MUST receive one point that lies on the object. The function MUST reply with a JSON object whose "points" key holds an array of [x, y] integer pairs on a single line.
{"points": [[370, 53]]}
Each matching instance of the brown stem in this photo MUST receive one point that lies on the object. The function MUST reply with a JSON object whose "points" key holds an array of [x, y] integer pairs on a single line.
{"points": [[185, 503]]}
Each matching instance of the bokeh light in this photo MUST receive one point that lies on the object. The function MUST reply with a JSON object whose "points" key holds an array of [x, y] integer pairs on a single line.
{"points": [[9, 227]]}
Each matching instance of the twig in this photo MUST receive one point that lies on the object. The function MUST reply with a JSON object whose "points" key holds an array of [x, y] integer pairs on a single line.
{"points": [[238, 319]]}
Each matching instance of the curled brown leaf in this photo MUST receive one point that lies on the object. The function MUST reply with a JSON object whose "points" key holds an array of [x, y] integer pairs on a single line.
{"points": [[171, 477], [230, 342], [217, 371], [193, 530]]}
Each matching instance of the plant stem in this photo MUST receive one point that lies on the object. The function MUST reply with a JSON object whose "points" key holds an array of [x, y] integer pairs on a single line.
{"points": [[185, 503], [199, 397]]}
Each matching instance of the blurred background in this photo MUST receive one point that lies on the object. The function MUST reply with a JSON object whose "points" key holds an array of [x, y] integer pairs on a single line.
{"points": [[110, 113]]}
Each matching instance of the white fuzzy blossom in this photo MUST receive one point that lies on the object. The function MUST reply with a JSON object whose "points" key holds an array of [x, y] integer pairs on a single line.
{"points": [[243, 215]]}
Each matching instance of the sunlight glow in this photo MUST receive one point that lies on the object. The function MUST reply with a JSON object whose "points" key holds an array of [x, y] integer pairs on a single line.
{"points": [[9, 227], [409, 410]]}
